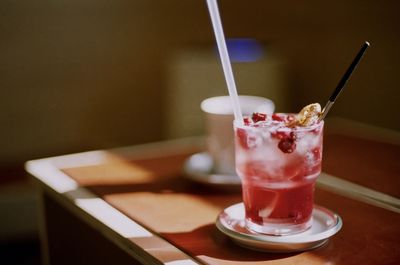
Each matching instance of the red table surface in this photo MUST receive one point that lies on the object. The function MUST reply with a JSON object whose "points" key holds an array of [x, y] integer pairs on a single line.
{"points": [[372, 164], [154, 193]]}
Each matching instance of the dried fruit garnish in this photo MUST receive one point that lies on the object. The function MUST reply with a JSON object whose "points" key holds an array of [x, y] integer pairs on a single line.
{"points": [[247, 121], [309, 115], [288, 143], [277, 117], [257, 116]]}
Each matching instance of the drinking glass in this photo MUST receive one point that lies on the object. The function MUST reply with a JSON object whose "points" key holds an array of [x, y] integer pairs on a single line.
{"points": [[278, 167]]}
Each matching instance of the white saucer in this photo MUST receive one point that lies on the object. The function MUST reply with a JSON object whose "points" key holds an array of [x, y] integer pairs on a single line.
{"points": [[325, 224], [199, 168]]}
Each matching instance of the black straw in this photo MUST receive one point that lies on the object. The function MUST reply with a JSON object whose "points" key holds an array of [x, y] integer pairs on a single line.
{"points": [[344, 79], [348, 73]]}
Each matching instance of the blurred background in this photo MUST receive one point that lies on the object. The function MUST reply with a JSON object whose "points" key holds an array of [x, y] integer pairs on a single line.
{"points": [[84, 75]]}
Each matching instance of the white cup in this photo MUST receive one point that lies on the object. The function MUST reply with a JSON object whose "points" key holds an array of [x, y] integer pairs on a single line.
{"points": [[219, 127]]}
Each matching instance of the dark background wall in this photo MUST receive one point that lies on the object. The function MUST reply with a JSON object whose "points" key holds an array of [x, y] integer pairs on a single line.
{"points": [[79, 75]]}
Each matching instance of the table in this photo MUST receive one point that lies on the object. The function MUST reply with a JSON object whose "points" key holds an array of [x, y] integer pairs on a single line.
{"points": [[133, 206]]}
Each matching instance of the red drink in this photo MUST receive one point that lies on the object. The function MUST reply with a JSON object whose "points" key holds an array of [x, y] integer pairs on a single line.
{"points": [[278, 163]]}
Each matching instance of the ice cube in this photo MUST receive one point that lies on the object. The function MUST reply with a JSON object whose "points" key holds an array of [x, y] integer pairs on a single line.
{"points": [[253, 139]]}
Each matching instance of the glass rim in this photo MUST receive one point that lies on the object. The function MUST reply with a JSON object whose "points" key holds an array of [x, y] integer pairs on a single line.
{"points": [[269, 124]]}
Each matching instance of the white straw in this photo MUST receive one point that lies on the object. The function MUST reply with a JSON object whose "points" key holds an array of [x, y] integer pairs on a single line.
{"points": [[223, 52]]}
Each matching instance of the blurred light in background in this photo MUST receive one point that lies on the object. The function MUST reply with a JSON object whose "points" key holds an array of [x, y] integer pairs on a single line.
{"points": [[243, 50]]}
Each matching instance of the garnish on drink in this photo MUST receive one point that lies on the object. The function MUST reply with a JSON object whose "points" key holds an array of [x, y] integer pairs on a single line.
{"points": [[308, 116]]}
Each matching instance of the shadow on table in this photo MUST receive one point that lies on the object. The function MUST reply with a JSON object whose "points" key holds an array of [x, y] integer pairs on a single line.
{"points": [[204, 242], [171, 185], [207, 242]]}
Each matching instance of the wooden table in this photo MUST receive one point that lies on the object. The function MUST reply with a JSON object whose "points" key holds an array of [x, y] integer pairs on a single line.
{"points": [[133, 205]]}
